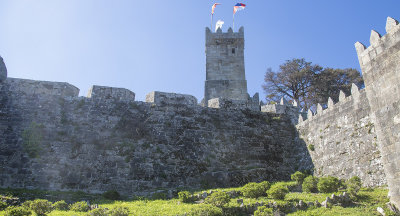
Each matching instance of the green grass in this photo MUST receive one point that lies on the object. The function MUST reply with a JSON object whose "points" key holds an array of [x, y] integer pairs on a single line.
{"points": [[366, 203]]}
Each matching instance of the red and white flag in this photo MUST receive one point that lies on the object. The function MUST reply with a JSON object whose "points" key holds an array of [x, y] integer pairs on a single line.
{"points": [[238, 7], [213, 7]]}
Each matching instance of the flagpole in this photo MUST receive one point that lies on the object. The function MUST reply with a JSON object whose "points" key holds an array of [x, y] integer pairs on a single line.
{"points": [[233, 22], [212, 15]]}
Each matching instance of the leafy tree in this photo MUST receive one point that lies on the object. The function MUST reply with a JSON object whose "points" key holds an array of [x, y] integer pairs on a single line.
{"points": [[308, 83]]}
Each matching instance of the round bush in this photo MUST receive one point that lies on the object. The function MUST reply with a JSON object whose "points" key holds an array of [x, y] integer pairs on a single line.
{"points": [[60, 205], [353, 185], [205, 210], [298, 177], [27, 204], [328, 184], [185, 196], [97, 212], [218, 199], [255, 190], [17, 211], [119, 211], [278, 191], [79, 207], [41, 207], [263, 211], [3, 205], [112, 195], [310, 184]]}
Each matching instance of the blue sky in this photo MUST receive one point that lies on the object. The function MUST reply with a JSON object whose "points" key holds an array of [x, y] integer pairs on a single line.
{"points": [[159, 45]]}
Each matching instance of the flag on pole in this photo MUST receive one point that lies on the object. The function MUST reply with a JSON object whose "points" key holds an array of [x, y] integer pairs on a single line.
{"points": [[238, 7], [213, 7]]}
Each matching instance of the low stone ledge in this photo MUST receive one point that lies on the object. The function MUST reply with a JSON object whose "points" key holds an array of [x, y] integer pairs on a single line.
{"points": [[34, 87], [223, 103], [104, 93], [162, 98]]}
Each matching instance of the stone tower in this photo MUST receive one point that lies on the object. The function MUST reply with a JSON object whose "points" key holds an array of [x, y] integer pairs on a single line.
{"points": [[380, 64], [225, 73]]}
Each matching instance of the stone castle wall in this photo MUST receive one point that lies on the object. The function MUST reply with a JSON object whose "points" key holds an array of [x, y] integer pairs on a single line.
{"points": [[342, 141], [52, 139], [380, 64]]}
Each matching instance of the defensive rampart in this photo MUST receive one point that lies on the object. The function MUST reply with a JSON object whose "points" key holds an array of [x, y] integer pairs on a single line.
{"points": [[380, 64], [341, 139], [52, 139]]}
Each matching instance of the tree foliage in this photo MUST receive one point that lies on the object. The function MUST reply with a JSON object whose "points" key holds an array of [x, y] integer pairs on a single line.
{"points": [[308, 83]]}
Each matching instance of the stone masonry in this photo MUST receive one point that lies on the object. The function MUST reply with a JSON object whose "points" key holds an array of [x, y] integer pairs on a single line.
{"points": [[225, 71], [380, 64], [53, 139], [342, 141]]}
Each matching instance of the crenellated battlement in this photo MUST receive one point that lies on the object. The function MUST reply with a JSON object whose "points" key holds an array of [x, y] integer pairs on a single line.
{"points": [[379, 47], [223, 35], [357, 100]]}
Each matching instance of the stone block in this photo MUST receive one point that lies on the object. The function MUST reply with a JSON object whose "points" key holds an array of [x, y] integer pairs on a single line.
{"points": [[164, 98], [105, 93], [33, 87]]}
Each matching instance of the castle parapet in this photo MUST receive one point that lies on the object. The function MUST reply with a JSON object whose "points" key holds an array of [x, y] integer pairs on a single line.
{"points": [[33, 87], [164, 98], [223, 103], [380, 64], [104, 92], [284, 107]]}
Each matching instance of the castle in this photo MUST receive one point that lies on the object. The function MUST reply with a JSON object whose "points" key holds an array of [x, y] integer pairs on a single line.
{"points": [[53, 139]]}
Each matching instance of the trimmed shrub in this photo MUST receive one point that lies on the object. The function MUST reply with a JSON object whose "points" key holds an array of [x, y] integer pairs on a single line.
{"points": [[60, 205], [353, 185], [205, 210], [119, 211], [98, 212], [185, 196], [310, 184], [79, 207], [278, 191], [17, 211], [265, 184], [111, 195], [255, 190], [298, 177], [263, 211], [27, 204], [218, 199], [328, 184], [41, 207], [3, 205]]}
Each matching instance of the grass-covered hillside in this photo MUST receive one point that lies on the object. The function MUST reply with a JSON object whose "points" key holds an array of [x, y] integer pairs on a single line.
{"points": [[303, 196]]}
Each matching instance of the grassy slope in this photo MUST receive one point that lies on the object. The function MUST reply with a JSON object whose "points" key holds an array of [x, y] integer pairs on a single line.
{"points": [[368, 201]]}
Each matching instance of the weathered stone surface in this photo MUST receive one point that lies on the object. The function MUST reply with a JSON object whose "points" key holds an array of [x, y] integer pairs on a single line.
{"points": [[380, 64], [225, 71], [104, 93], [163, 98], [78, 143], [345, 142], [233, 104], [3, 70]]}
